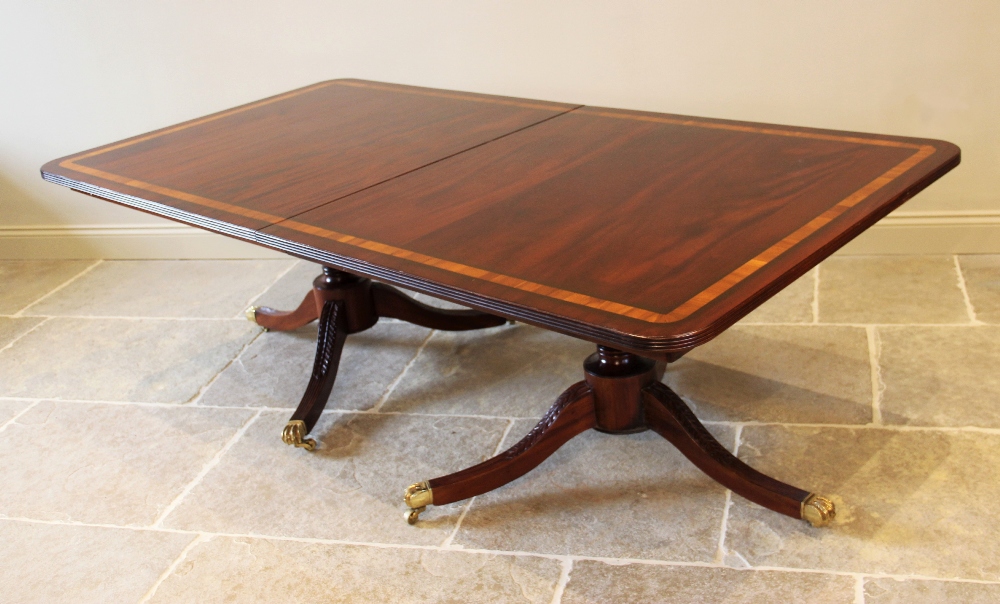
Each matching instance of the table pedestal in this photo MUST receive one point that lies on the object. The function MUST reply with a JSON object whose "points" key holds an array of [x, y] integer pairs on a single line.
{"points": [[621, 394], [346, 304]]}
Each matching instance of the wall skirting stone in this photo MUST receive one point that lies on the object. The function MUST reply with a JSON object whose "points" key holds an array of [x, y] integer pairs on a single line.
{"points": [[123, 241], [958, 232], [935, 232]]}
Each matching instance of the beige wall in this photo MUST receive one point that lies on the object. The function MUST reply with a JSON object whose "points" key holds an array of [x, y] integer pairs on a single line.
{"points": [[78, 74]]}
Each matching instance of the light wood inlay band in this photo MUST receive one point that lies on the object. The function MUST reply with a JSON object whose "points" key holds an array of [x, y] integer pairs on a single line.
{"points": [[681, 312]]}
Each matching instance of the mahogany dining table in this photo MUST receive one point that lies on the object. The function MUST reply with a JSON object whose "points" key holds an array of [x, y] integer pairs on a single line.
{"points": [[647, 234]]}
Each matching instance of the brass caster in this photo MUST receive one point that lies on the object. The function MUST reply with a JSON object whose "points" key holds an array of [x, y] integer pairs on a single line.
{"points": [[413, 515], [294, 434], [818, 510], [251, 314], [417, 497]]}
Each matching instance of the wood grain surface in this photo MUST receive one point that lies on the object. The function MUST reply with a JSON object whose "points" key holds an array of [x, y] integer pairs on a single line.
{"points": [[261, 163], [647, 232]]}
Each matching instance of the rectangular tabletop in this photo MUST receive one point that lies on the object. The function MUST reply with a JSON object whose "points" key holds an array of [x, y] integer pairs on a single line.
{"points": [[644, 231]]}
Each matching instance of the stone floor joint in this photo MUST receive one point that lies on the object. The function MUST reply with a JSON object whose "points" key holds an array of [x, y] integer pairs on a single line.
{"points": [[17, 415], [16, 339], [969, 309], [564, 576], [720, 552], [392, 386], [559, 557], [468, 505], [193, 401], [253, 299], [878, 385], [859, 589], [171, 568], [205, 470], [83, 272]]}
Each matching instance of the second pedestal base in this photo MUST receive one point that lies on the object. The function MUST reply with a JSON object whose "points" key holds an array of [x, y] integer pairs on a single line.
{"points": [[621, 394]]}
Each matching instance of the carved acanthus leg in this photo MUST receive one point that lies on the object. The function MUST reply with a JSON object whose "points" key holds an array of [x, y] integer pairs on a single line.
{"points": [[572, 413], [390, 302], [670, 417], [329, 345]]}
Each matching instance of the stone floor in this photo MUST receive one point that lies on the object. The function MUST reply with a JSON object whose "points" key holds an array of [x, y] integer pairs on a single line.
{"points": [[140, 458]]}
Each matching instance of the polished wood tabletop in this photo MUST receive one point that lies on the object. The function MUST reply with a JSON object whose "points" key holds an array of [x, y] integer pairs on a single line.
{"points": [[643, 231]]}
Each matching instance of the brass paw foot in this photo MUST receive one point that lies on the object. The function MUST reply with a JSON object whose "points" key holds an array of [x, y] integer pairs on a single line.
{"points": [[417, 497], [818, 510], [294, 434]]}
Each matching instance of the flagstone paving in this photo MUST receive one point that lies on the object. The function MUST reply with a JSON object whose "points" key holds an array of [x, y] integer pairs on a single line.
{"points": [[140, 427]]}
